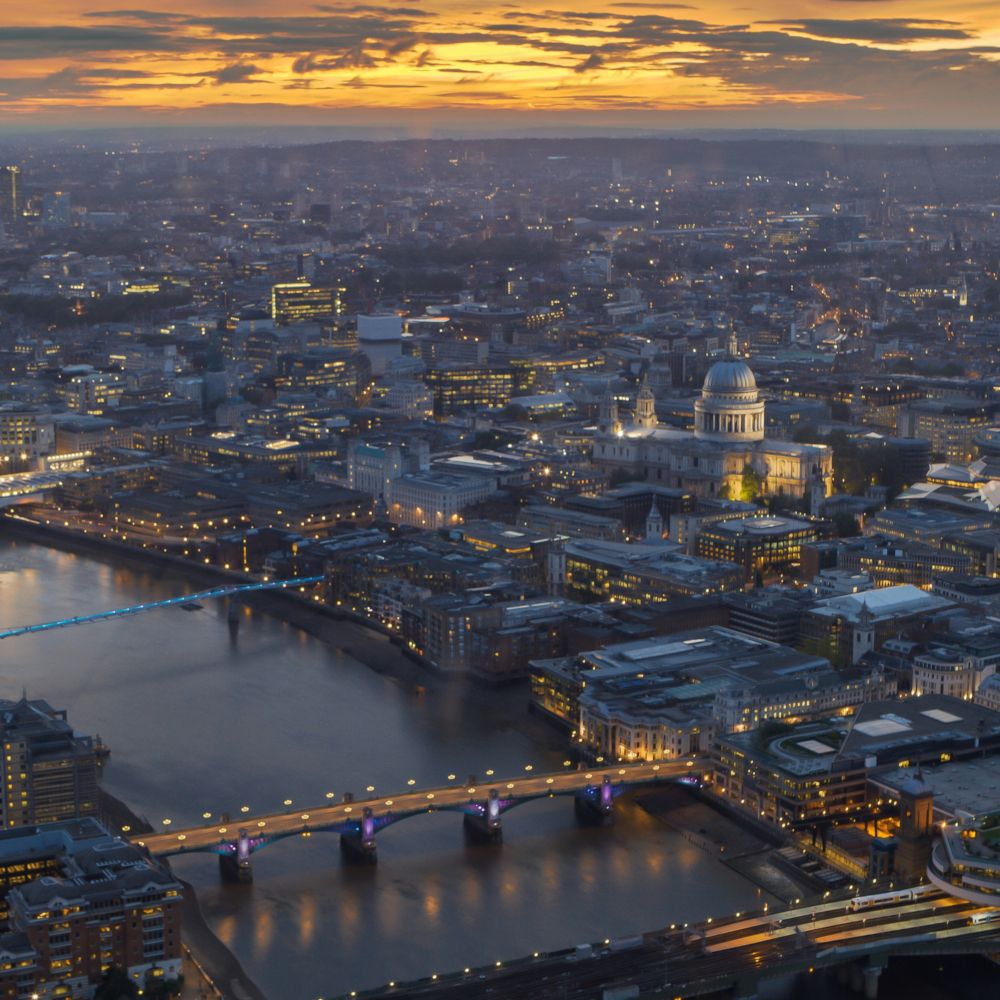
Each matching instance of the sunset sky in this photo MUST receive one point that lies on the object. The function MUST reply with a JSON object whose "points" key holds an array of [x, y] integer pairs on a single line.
{"points": [[825, 64]]}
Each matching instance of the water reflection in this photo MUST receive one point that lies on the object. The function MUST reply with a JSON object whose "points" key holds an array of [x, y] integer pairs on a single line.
{"points": [[199, 723]]}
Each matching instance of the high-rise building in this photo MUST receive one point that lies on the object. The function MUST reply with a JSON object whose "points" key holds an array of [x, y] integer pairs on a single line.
{"points": [[9, 196], [57, 209], [49, 772], [295, 301]]}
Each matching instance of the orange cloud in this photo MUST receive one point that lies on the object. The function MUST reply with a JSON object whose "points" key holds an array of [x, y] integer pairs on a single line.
{"points": [[869, 60]]}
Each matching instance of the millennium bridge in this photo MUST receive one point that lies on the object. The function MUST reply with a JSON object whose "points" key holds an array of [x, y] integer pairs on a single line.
{"points": [[481, 806]]}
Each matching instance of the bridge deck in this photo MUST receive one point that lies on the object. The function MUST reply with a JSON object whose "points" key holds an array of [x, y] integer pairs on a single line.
{"points": [[427, 799]]}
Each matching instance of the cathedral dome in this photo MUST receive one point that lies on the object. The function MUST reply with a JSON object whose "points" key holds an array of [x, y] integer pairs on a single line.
{"points": [[730, 376]]}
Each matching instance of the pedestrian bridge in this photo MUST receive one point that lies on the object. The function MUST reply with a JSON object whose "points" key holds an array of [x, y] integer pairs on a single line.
{"points": [[481, 805]]}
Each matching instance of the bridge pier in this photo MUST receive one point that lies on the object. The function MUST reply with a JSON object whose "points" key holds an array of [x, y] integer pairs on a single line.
{"points": [[871, 976], [359, 846], [485, 828], [236, 867], [595, 804]]}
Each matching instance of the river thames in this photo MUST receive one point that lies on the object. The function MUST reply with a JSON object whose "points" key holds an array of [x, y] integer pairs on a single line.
{"points": [[202, 720]]}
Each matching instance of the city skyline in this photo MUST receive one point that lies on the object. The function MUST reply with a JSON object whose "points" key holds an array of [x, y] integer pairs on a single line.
{"points": [[848, 64]]}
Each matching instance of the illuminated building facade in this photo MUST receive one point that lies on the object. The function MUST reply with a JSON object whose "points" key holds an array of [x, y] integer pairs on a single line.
{"points": [[659, 698], [295, 301], [81, 901], [95, 393], [26, 434], [638, 574], [49, 771], [758, 544], [728, 439], [460, 387]]}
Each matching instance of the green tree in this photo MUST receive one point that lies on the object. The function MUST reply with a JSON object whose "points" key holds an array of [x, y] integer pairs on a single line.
{"points": [[751, 485], [116, 985], [846, 525]]}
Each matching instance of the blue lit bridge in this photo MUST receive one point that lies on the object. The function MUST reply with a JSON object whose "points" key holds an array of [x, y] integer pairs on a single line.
{"points": [[227, 590]]}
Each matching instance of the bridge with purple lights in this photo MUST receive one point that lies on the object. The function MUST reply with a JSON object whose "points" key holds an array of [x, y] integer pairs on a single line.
{"points": [[482, 807]]}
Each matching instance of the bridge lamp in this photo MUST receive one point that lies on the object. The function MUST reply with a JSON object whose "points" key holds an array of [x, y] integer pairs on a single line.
{"points": [[206, 815], [244, 809], [600, 760], [529, 767], [370, 788], [510, 784], [567, 763], [329, 795], [451, 777], [621, 770], [347, 809], [126, 829], [223, 829], [430, 795], [182, 836], [412, 781], [167, 822], [588, 775], [388, 802], [471, 791], [490, 772], [304, 816], [548, 781], [288, 802]]}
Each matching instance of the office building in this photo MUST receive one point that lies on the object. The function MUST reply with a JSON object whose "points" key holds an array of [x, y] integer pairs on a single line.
{"points": [[759, 544], [639, 573], [49, 771], [666, 696], [10, 203], [295, 301]]}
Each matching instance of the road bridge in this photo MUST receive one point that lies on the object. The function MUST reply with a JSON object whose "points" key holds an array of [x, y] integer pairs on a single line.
{"points": [[482, 806], [745, 955]]}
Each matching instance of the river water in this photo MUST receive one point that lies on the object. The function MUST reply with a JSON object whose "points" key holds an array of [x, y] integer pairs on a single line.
{"points": [[201, 720]]}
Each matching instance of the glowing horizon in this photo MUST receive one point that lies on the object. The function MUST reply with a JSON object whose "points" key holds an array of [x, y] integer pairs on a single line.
{"points": [[832, 64]]}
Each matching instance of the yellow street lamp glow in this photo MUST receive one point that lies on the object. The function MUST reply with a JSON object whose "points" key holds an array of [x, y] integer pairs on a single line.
{"points": [[288, 802], [244, 809], [206, 815]]}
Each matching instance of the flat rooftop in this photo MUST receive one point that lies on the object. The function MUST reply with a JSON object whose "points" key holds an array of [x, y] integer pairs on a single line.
{"points": [[971, 786]]}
